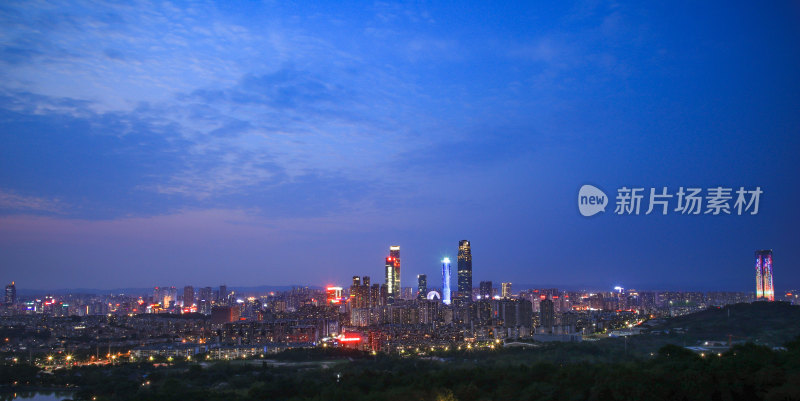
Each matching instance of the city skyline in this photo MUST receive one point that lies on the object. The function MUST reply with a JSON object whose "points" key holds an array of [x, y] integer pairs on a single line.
{"points": [[287, 144], [764, 280]]}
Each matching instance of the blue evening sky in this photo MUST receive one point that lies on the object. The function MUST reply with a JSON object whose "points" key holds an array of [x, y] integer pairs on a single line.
{"points": [[172, 143]]}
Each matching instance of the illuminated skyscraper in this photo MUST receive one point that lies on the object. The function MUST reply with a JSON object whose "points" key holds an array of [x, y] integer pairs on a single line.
{"points": [[464, 270], [11, 294], [393, 273], [422, 286], [505, 290], [446, 281], [765, 289]]}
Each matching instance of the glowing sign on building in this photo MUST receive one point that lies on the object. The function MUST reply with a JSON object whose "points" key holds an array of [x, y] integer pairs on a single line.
{"points": [[334, 294]]}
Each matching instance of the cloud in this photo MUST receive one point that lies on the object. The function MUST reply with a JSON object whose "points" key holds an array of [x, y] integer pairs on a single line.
{"points": [[14, 202], [147, 108]]}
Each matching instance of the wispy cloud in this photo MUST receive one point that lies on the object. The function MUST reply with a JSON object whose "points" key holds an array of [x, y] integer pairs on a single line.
{"points": [[14, 202]]}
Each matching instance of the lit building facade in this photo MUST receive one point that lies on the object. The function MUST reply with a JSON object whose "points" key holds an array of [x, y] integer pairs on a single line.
{"points": [[464, 270], [765, 289], [446, 281], [11, 294], [422, 286], [393, 273], [334, 295], [505, 290]]}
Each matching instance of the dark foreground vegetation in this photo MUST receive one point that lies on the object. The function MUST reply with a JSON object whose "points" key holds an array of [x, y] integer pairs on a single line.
{"points": [[648, 367], [746, 372]]}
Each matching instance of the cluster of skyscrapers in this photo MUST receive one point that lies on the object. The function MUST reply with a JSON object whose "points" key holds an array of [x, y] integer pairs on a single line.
{"points": [[392, 276]]}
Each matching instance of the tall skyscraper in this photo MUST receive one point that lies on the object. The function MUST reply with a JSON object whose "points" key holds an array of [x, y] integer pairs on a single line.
{"points": [[765, 289], [505, 290], [422, 286], [464, 270], [485, 290], [446, 281], [11, 294], [393, 273], [223, 294], [188, 296]]}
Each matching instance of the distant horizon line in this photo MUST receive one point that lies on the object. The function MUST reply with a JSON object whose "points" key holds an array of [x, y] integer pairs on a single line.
{"points": [[269, 287]]}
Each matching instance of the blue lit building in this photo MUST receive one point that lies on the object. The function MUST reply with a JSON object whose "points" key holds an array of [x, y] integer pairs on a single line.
{"points": [[446, 281]]}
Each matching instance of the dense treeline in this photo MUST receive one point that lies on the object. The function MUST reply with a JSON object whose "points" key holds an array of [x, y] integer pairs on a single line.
{"points": [[746, 372]]}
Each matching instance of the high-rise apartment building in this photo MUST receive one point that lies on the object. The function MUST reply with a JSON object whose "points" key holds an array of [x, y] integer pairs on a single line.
{"points": [[505, 290], [188, 296], [204, 301], [547, 314], [223, 294]]}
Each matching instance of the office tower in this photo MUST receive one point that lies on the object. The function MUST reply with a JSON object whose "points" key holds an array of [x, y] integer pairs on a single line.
{"points": [[505, 290], [464, 270], [188, 296], [11, 294], [356, 281], [765, 289], [393, 273], [422, 286], [446, 281], [485, 290], [547, 313]]}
